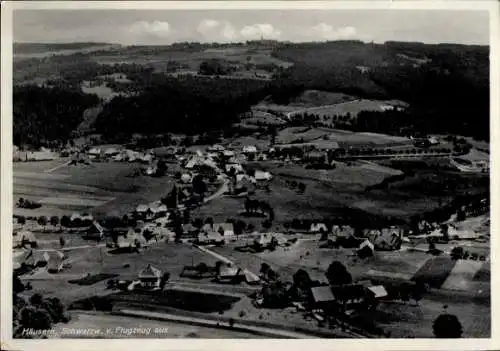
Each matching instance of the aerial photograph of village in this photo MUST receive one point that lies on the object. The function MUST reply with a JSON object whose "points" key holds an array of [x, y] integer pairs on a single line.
{"points": [[251, 174]]}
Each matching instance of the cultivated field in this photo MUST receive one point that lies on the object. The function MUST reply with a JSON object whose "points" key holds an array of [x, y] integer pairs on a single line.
{"points": [[99, 188]]}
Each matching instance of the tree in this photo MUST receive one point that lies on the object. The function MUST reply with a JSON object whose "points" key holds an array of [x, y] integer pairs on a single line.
{"points": [[302, 279], [302, 187], [239, 227], [21, 220], [42, 220], [337, 274], [457, 253], [267, 224], [164, 279], [66, 221], [447, 326], [54, 220]]}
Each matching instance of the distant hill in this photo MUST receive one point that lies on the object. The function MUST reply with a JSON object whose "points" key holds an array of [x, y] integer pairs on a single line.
{"points": [[446, 85], [32, 48]]}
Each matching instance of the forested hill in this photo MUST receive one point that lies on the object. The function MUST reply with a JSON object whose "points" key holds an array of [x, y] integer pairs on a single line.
{"points": [[43, 114], [446, 85]]}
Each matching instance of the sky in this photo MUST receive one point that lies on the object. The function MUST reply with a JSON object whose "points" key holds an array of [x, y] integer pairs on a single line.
{"points": [[161, 27]]}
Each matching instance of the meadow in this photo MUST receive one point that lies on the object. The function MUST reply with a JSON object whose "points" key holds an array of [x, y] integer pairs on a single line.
{"points": [[100, 188]]}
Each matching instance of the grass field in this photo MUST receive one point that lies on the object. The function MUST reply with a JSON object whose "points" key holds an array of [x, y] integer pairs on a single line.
{"points": [[344, 138], [101, 188]]}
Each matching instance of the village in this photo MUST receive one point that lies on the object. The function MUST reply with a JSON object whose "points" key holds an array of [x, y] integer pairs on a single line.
{"points": [[338, 272]]}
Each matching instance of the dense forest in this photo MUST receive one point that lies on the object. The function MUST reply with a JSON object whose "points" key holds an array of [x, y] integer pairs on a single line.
{"points": [[446, 85], [42, 114], [188, 105]]}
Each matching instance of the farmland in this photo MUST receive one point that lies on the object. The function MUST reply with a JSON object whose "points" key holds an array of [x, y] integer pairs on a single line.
{"points": [[99, 188], [344, 138]]}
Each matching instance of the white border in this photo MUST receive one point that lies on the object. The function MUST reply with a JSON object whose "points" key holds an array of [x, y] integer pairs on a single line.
{"points": [[7, 343]]}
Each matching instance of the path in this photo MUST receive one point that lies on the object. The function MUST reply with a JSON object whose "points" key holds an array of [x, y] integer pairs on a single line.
{"points": [[225, 260], [57, 167], [224, 188]]}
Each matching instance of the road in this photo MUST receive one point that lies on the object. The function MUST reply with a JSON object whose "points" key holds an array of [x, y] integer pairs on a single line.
{"points": [[225, 260], [224, 188]]}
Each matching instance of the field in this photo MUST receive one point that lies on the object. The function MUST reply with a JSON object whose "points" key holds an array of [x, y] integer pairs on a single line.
{"points": [[100, 188], [344, 138], [353, 108]]}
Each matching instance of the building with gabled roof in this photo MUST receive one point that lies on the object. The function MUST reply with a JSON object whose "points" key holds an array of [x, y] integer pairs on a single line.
{"points": [[150, 278], [55, 261]]}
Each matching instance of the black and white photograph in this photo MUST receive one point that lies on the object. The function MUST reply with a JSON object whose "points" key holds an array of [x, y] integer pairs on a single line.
{"points": [[212, 172]]}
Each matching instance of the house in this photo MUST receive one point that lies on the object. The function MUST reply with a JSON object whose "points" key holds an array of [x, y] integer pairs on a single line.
{"points": [[95, 231], [143, 211], [261, 176], [350, 297], [158, 209], [112, 151], [377, 291], [366, 249], [229, 274], [321, 297], [249, 149], [226, 229], [236, 166], [55, 261], [228, 153], [45, 155], [190, 230], [186, 178], [209, 238], [216, 148], [94, 152], [318, 228], [150, 278], [24, 238]]}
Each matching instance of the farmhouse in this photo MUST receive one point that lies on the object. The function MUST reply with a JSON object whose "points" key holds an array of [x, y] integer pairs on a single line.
{"points": [[226, 229], [95, 231], [55, 261], [318, 228], [150, 278], [236, 166], [261, 176], [94, 152], [365, 249], [229, 274], [321, 297], [249, 149], [216, 148], [210, 238], [24, 238]]}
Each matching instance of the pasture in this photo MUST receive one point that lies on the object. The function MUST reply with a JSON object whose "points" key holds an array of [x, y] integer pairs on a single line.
{"points": [[100, 188], [344, 138], [351, 108]]}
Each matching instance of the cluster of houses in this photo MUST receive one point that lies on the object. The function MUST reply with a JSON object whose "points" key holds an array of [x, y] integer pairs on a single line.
{"points": [[43, 154]]}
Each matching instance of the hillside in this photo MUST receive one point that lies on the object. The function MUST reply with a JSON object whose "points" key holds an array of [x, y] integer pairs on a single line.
{"points": [[446, 86]]}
